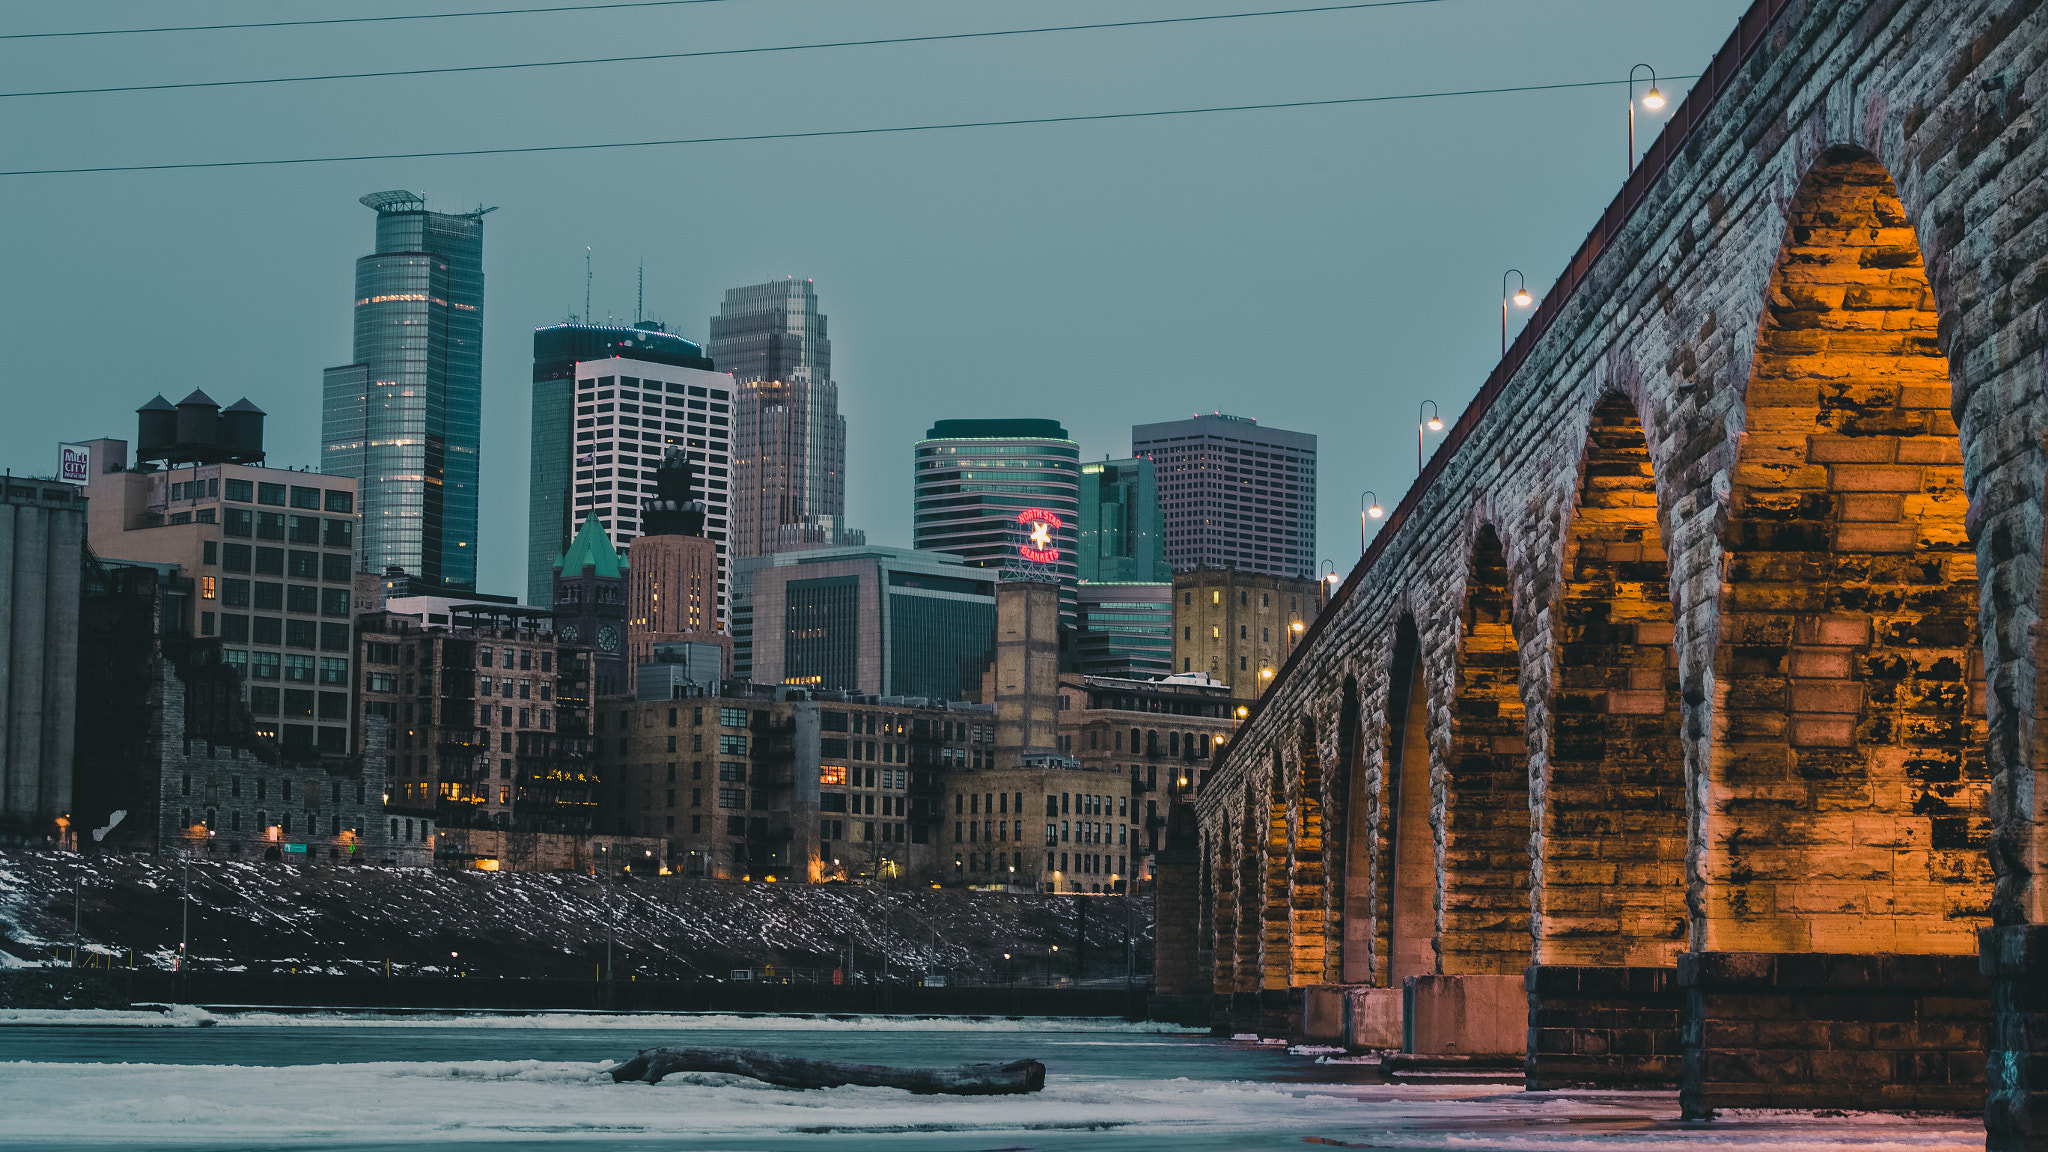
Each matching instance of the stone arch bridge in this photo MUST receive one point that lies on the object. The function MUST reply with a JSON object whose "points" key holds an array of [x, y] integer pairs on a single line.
{"points": [[1691, 696]]}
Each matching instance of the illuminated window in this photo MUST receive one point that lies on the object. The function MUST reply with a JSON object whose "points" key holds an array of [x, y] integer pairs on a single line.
{"points": [[832, 774], [207, 586]]}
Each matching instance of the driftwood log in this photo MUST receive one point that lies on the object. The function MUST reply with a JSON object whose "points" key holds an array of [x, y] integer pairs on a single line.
{"points": [[652, 1064]]}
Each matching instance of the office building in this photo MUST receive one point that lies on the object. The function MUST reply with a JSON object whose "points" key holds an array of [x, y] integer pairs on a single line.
{"points": [[789, 440], [1240, 627], [877, 621], [1124, 630], [765, 782], [42, 534], [1001, 494], [1234, 495], [260, 560], [1122, 532], [403, 420], [552, 515], [629, 413], [671, 596], [490, 758]]}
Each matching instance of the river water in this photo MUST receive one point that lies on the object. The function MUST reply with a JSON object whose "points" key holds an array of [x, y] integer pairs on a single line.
{"points": [[266, 1081]]}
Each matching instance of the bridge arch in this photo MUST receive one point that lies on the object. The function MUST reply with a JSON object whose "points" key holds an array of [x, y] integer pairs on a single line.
{"points": [[1344, 884], [1610, 848], [1483, 839], [1847, 784]]}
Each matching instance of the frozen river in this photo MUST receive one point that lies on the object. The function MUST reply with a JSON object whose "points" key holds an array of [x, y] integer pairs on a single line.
{"points": [[341, 1082]]}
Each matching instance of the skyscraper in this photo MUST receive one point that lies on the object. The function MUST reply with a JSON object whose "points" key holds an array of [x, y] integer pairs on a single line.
{"points": [[551, 511], [789, 441], [1234, 495], [1001, 493], [1123, 535], [672, 596], [404, 419]]}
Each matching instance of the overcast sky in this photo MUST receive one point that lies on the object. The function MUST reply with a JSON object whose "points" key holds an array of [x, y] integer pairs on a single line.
{"points": [[1320, 269]]}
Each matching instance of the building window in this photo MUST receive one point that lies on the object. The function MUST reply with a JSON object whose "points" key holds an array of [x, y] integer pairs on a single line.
{"points": [[241, 490]]}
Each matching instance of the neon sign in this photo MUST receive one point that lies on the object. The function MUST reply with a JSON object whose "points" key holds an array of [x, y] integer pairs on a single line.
{"points": [[1038, 545]]}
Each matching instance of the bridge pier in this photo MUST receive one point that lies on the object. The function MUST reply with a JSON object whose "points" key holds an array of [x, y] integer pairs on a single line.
{"points": [[1603, 1027], [2014, 959], [1883, 1032]]}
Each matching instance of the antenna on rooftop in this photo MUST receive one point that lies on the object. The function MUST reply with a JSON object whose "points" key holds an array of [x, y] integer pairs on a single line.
{"points": [[640, 301], [586, 283]]}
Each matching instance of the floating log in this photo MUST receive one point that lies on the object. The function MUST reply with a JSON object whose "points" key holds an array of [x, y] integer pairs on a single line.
{"points": [[1017, 1076]]}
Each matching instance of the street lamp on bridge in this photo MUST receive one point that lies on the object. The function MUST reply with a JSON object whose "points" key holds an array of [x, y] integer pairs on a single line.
{"points": [[1368, 508], [1652, 100], [1435, 423], [1521, 299]]}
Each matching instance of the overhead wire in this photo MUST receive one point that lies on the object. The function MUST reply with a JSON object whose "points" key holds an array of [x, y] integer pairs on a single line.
{"points": [[826, 133], [353, 19], [713, 52]]}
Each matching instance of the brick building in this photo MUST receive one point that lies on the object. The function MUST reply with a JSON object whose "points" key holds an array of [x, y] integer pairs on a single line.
{"points": [[1240, 627]]}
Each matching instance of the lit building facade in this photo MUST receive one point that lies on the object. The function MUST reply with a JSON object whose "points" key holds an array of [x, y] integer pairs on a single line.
{"points": [[983, 489], [552, 515], [672, 580], [1233, 494], [789, 441], [1240, 627], [404, 419]]}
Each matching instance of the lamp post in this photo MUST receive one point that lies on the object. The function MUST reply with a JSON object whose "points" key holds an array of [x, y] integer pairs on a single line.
{"points": [[1521, 299], [1435, 423], [1327, 572], [1652, 100], [1369, 509]]}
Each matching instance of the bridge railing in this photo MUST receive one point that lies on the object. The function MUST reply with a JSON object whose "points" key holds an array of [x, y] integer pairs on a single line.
{"points": [[1678, 129]]}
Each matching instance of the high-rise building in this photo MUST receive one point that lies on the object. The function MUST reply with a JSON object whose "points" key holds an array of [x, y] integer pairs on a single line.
{"points": [[629, 413], [1234, 495], [1001, 493], [883, 621], [552, 512], [1123, 534], [789, 440], [404, 420], [672, 592]]}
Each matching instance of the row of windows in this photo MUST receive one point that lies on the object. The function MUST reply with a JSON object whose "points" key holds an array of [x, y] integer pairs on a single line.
{"points": [[334, 567], [300, 598], [284, 789], [1060, 832], [282, 829], [269, 630], [302, 703]]}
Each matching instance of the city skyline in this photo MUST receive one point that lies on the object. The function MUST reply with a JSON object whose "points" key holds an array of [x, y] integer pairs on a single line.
{"points": [[996, 284]]}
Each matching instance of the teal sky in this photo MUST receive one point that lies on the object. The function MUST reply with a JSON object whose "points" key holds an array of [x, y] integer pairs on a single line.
{"points": [[1319, 269]]}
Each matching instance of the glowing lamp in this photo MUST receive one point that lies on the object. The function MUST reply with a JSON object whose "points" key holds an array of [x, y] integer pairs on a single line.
{"points": [[1653, 100], [1375, 512], [1435, 424], [1522, 298]]}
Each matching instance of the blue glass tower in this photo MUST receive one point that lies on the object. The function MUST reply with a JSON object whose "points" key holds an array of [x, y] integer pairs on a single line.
{"points": [[405, 419]]}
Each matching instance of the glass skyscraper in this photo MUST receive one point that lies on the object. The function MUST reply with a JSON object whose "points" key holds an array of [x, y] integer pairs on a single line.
{"points": [[976, 482], [789, 440], [551, 514], [404, 419], [1123, 533]]}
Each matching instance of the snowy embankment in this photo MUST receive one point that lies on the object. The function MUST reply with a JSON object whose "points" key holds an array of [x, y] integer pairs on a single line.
{"points": [[271, 917], [192, 1016]]}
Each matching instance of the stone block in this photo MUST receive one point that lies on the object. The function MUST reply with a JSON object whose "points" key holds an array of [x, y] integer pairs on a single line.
{"points": [[1851, 449], [1468, 1015], [1877, 537], [1322, 1014], [1873, 478], [1372, 1019]]}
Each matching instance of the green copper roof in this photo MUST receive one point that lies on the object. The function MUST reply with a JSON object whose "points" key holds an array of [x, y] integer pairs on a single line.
{"points": [[592, 547]]}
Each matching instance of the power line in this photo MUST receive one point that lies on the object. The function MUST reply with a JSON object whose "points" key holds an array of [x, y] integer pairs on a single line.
{"points": [[824, 133], [868, 43], [351, 20]]}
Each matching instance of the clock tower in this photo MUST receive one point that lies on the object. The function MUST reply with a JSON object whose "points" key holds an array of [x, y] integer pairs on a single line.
{"points": [[590, 605]]}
